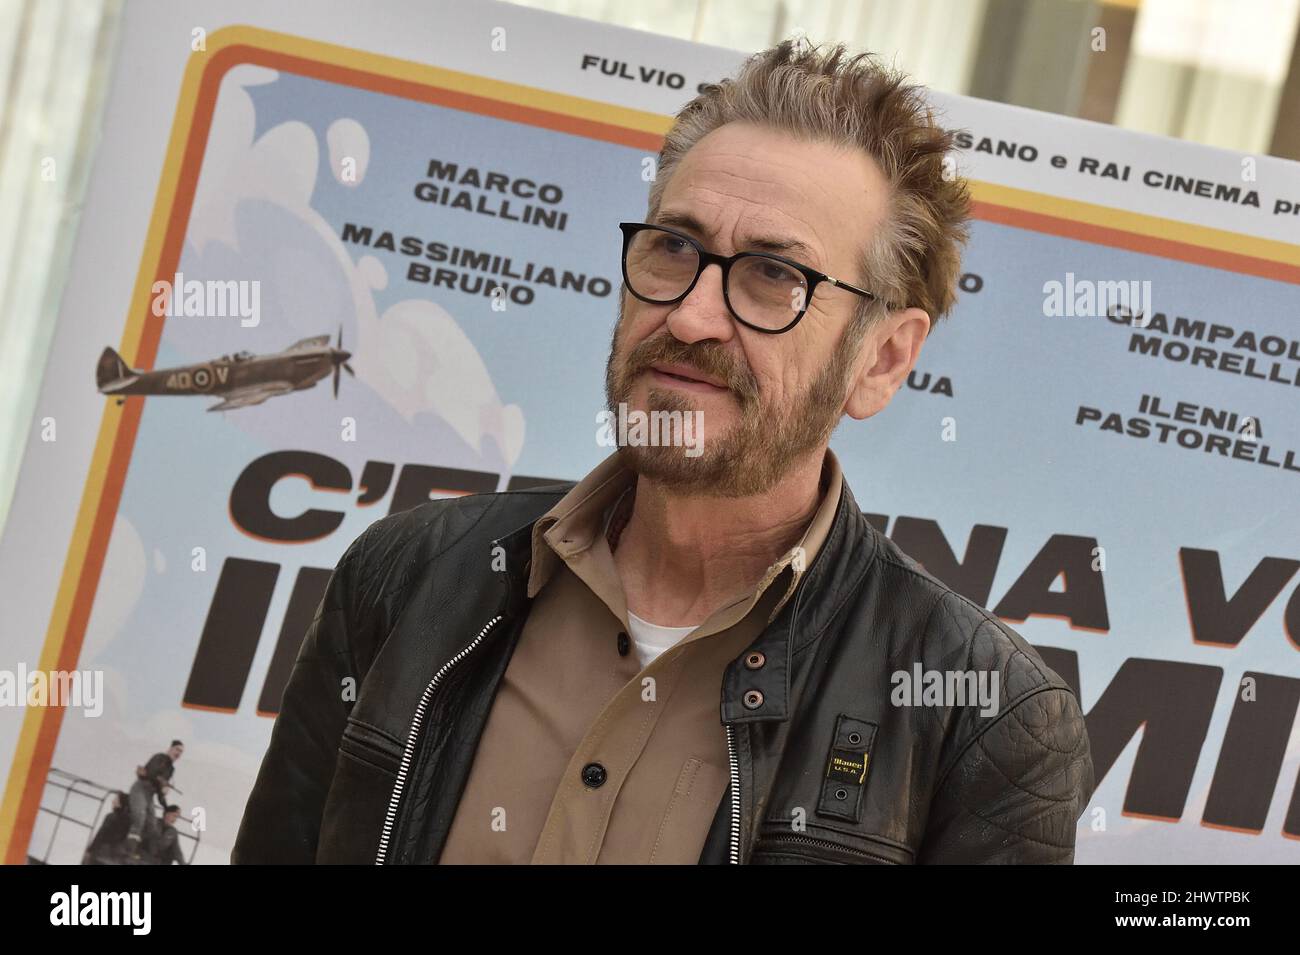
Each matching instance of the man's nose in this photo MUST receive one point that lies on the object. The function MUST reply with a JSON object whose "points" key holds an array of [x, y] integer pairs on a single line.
{"points": [[703, 314]]}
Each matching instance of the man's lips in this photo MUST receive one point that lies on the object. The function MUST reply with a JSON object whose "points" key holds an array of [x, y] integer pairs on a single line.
{"points": [[685, 375]]}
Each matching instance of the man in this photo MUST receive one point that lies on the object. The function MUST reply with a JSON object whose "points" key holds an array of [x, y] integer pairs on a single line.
{"points": [[163, 846], [152, 781], [538, 674], [112, 831]]}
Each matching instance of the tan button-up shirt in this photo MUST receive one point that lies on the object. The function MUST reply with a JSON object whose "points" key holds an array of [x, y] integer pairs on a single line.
{"points": [[569, 699]]}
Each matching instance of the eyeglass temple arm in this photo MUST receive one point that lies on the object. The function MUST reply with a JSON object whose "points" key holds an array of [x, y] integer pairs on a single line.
{"points": [[852, 288]]}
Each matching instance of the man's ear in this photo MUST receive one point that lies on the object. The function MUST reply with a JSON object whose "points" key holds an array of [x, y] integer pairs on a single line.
{"points": [[885, 359]]}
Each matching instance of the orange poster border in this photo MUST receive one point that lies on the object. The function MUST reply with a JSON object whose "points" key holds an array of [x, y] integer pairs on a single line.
{"points": [[236, 46]]}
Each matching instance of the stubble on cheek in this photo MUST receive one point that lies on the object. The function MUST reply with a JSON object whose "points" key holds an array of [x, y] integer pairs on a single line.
{"points": [[745, 458]]}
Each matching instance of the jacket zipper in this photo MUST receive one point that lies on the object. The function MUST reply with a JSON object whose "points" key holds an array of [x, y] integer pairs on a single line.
{"points": [[413, 735], [830, 846], [734, 853]]}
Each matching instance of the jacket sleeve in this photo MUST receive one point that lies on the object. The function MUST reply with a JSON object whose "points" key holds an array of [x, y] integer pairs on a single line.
{"points": [[281, 822], [1017, 791]]}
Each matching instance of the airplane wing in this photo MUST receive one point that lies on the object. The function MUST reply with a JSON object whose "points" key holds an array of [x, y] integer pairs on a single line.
{"points": [[320, 341], [252, 395]]}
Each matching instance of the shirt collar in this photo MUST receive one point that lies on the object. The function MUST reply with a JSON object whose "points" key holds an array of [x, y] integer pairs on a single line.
{"points": [[576, 522], [572, 532]]}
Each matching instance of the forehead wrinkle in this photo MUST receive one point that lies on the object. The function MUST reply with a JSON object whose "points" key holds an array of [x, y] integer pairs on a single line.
{"points": [[741, 190], [805, 245], [698, 164], [724, 152]]}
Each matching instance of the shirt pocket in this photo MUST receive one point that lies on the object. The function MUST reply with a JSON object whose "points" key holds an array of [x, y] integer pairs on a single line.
{"points": [[691, 808]]}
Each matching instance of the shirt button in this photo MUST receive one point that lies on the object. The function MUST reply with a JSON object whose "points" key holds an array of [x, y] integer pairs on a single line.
{"points": [[594, 775], [752, 699], [623, 643], [755, 659]]}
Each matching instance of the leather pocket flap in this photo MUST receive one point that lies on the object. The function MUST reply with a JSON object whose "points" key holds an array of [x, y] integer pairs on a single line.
{"points": [[364, 742], [847, 765]]}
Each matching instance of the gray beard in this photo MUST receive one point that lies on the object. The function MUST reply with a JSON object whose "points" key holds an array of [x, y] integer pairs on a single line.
{"points": [[753, 455]]}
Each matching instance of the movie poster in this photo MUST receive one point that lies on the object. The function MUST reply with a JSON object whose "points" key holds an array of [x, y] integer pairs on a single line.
{"points": [[370, 279]]}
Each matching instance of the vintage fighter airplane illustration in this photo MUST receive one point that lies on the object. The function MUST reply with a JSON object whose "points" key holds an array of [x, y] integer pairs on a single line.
{"points": [[240, 380]]}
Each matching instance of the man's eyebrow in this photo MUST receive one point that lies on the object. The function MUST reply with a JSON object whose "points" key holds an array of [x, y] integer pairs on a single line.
{"points": [[792, 247]]}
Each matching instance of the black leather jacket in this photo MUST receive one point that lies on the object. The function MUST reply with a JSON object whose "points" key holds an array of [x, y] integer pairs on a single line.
{"points": [[392, 687]]}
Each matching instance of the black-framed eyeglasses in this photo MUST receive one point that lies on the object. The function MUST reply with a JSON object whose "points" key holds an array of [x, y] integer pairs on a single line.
{"points": [[764, 291]]}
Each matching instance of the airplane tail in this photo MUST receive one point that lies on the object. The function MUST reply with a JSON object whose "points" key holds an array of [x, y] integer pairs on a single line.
{"points": [[111, 368]]}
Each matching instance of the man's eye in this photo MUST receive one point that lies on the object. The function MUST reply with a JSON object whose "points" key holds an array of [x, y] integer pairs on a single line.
{"points": [[775, 272], [674, 246]]}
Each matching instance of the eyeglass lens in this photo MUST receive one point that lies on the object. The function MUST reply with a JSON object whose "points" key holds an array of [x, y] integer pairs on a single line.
{"points": [[762, 291]]}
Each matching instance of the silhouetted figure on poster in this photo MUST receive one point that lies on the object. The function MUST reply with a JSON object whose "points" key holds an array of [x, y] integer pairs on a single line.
{"points": [[112, 831], [153, 779], [162, 845]]}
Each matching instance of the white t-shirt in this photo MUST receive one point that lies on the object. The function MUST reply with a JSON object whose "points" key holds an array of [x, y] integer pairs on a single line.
{"points": [[650, 639]]}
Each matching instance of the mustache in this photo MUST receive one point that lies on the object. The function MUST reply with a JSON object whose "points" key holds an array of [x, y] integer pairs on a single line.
{"points": [[710, 358]]}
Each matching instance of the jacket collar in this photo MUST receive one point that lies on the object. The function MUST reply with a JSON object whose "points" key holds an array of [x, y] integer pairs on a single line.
{"points": [[837, 571]]}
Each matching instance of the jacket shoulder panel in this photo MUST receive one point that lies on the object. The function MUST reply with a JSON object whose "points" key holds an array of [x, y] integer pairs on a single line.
{"points": [[1017, 792], [960, 634], [395, 549]]}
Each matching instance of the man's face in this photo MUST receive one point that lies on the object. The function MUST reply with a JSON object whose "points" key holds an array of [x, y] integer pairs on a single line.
{"points": [[765, 399], [175, 752], [171, 817]]}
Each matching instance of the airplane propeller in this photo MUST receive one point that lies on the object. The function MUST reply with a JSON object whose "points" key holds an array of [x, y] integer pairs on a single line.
{"points": [[340, 357]]}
